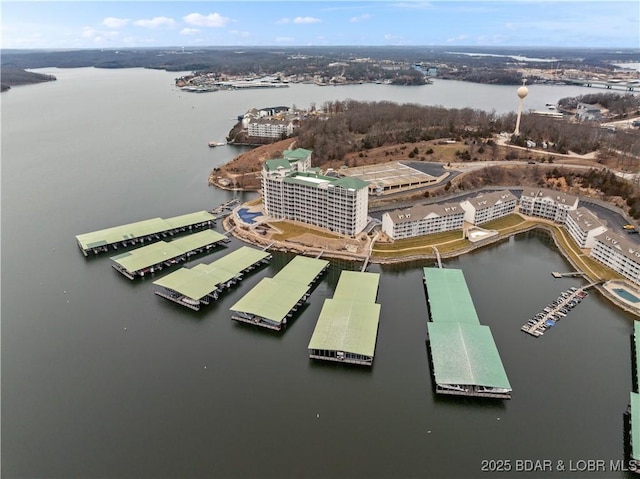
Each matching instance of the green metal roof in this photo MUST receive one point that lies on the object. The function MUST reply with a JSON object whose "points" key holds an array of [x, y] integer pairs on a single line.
{"points": [[273, 298], [190, 219], [449, 297], [140, 228], [466, 354], [635, 425], [155, 253], [351, 183], [356, 286], [636, 339], [297, 154], [272, 165], [202, 279], [349, 321]]}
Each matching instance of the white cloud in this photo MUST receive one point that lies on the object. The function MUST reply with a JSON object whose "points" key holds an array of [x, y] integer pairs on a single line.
{"points": [[240, 34], [416, 5], [285, 39], [189, 31], [360, 18], [213, 20], [156, 22], [113, 22], [306, 20], [459, 38], [283, 21]]}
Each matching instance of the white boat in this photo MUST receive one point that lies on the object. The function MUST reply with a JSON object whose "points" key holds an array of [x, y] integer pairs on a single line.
{"points": [[213, 144]]}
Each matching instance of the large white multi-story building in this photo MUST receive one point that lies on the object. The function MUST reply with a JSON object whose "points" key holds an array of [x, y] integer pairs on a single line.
{"points": [[545, 203], [584, 226], [271, 127], [337, 204], [488, 206], [423, 220], [619, 254]]}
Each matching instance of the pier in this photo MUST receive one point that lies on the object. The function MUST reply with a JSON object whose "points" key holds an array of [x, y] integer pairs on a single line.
{"points": [[146, 231], [570, 274], [347, 328], [203, 283], [555, 311], [156, 256], [607, 84], [291, 286], [226, 207]]}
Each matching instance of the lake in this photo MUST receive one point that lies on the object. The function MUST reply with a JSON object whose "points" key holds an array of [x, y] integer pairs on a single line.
{"points": [[102, 378]]}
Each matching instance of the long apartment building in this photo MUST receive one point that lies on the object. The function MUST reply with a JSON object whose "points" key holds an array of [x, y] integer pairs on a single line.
{"points": [[584, 226], [488, 206], [337, 204], [619, 254], [546, 203], [423, 220]]}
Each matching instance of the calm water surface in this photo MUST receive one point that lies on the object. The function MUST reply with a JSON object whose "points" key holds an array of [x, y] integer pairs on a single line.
{"points": [[83, 397]]}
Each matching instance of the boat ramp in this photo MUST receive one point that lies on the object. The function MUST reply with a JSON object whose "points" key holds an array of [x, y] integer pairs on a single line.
{"points": [[464, 357], [347, 328], [554, 312], [154, 257], [193, 287], [291, 286], [140, 232]]}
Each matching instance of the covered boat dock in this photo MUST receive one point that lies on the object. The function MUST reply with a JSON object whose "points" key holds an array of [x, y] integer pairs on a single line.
{"points": [[291, 286], [153, 257], [464, 357], [140, 232], [347, 328], [193, 287]]}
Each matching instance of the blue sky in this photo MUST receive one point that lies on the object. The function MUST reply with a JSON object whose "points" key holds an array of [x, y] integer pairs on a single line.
{"points": [[118, 24]]}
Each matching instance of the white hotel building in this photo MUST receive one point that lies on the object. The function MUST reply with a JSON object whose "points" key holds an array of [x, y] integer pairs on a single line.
{"points": [[619, 254], [545, 203], [488, 206], [423, 220], [337, 204], [584, 226]]}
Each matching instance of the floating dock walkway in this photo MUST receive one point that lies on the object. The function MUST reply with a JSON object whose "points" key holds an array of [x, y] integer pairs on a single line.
{"points": [[146, 231], [554, 312], [464, 357], [153, 257], [226, 207], [273, 300], [347, 328], [197, 286]]}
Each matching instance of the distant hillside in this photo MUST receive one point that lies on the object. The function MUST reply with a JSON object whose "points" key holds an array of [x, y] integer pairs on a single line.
{"points": [[16, 76]]}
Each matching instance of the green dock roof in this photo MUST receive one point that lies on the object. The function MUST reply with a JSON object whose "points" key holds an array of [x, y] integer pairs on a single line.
{"points": [[155, 253], [140, 229], [202, 279], [465, 354], [349, 321], [636, 339], [449, 297], [273, 298], [635, 425]]}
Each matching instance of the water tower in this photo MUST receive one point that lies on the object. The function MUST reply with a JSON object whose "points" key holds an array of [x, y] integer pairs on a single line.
{"points": [[523, 91]]}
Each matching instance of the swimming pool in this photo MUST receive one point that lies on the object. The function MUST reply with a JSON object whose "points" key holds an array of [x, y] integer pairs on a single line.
{"points": [[247, 216], [626, 295]]}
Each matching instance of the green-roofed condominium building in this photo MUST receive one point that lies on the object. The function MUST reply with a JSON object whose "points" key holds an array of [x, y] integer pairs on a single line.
{"points": [[337, 204]]}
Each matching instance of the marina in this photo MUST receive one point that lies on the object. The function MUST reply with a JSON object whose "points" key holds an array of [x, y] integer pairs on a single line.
{"points": [[292, 286], [156, 256], [197, 286], [463, 354], [140, 232], [347, 328], [554, 312]]}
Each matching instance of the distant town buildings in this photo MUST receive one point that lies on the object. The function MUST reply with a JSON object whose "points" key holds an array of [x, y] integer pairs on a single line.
{"points": [[545, 203], [293, 191]]}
